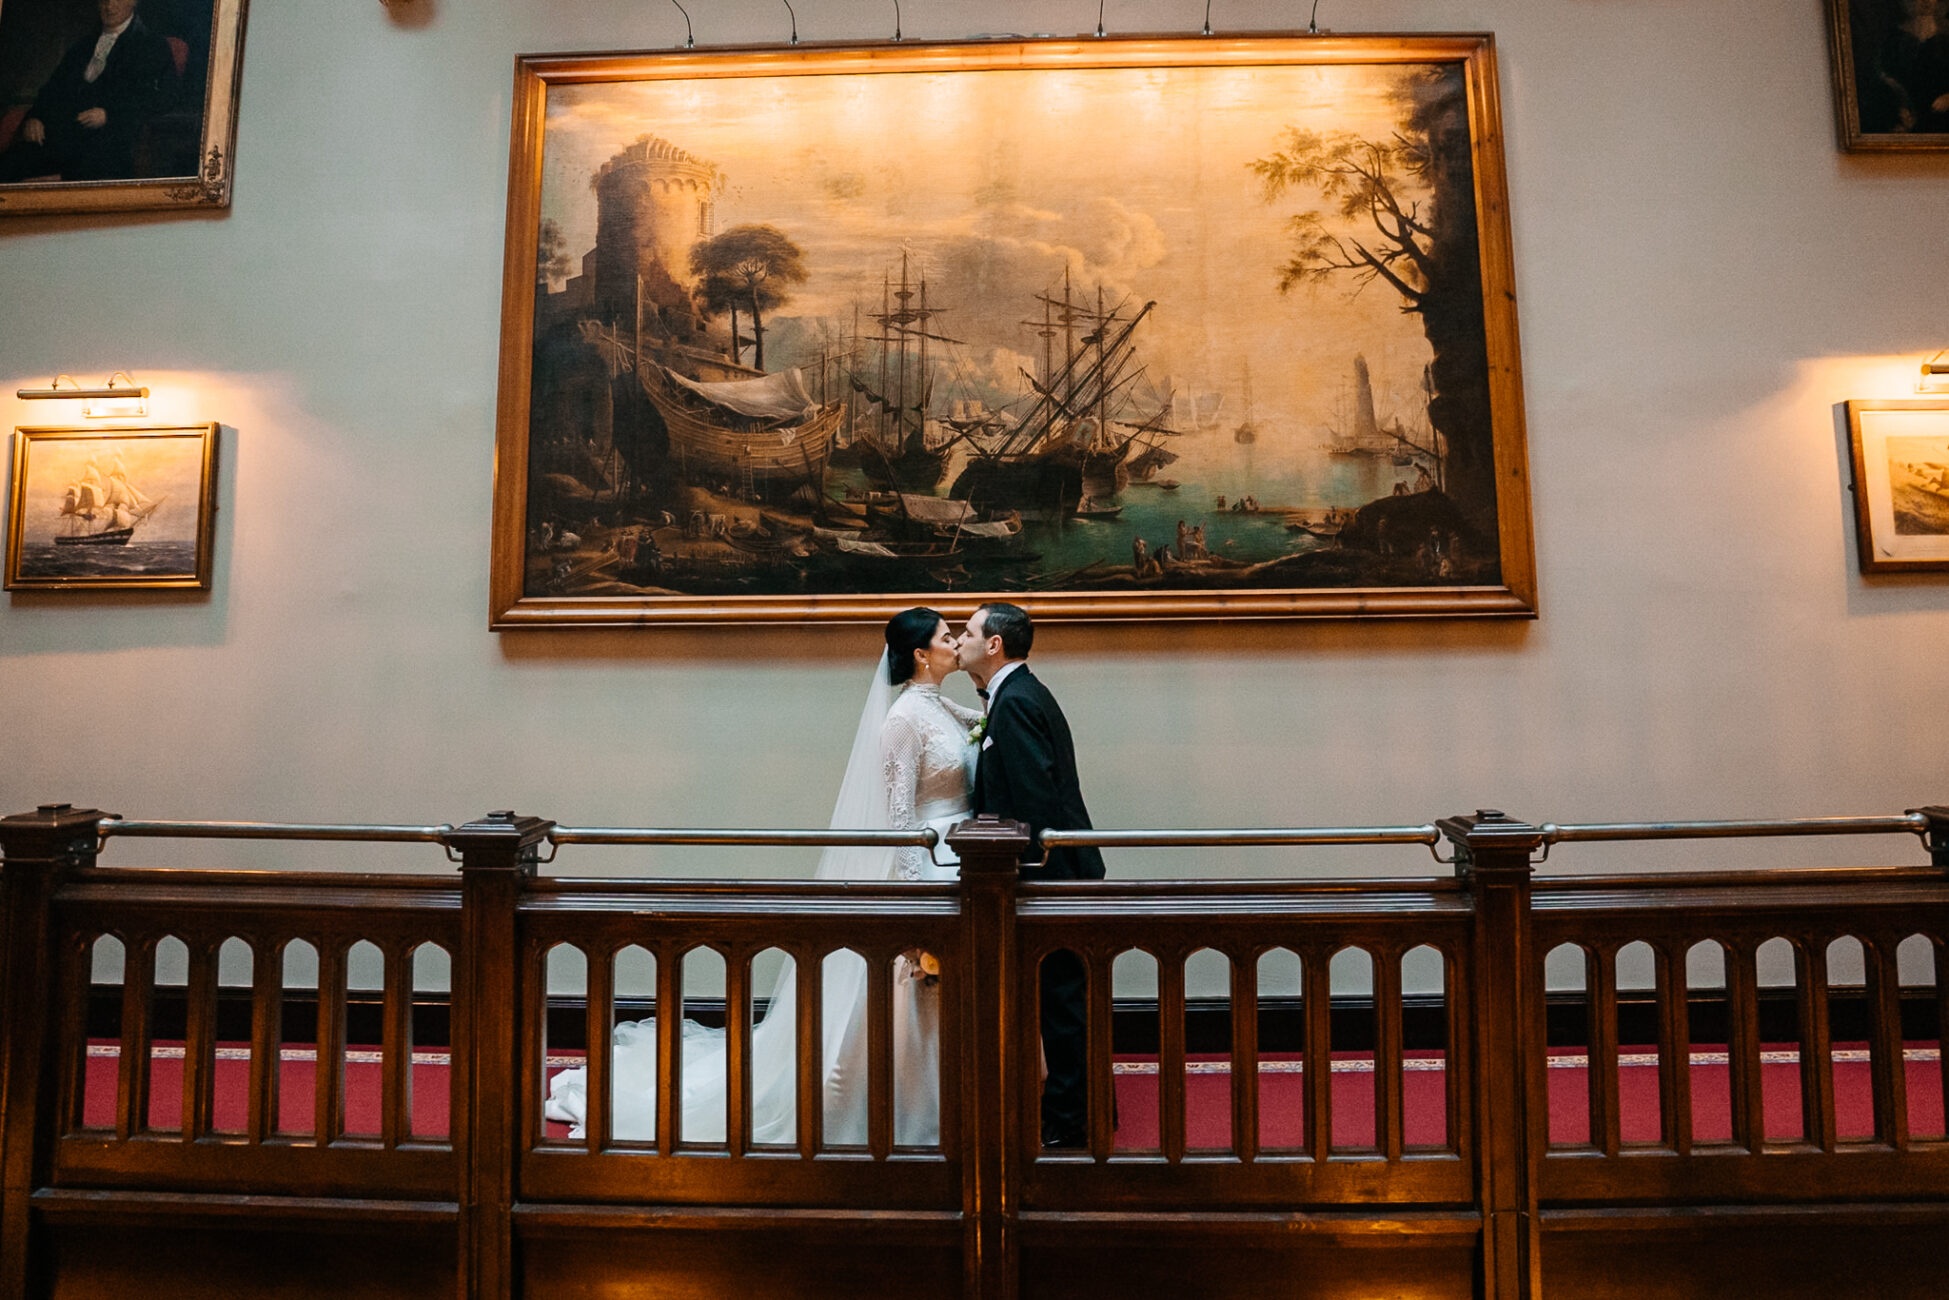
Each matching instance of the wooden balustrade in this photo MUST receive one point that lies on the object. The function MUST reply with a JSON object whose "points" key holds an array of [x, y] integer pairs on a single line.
{"points": [[1487, 1203]]}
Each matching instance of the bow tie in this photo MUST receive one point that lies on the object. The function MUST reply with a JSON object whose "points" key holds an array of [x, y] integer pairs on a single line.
{"points": [[982, 691]]}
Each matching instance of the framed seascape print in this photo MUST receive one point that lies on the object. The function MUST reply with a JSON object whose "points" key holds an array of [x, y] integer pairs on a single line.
{"points": [[1901, 484], [93, 508], [1891, 73], [1115, 329], [118, 104]]}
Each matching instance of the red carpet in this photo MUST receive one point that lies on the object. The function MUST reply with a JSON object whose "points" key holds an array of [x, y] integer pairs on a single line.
{"points": [[1207, 1096]]}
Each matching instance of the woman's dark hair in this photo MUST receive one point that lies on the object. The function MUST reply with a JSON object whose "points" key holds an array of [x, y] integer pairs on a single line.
{"points": [[908, 631]]}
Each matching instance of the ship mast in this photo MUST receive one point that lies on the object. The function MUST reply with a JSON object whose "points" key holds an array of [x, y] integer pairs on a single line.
{"points": [[886, 315], [923, 380]]}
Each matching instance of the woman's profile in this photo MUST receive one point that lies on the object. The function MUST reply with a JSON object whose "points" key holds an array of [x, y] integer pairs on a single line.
{"points": [[911, 766]]}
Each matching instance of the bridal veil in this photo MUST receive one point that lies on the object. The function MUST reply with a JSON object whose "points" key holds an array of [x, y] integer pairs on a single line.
{"points": [[861, 805]]}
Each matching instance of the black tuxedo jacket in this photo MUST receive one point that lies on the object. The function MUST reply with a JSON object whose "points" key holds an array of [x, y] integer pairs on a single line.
{"points": [[1027, 772]]}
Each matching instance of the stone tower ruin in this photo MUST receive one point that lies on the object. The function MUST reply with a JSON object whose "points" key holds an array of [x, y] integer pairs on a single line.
{"points": [[653, 202]]}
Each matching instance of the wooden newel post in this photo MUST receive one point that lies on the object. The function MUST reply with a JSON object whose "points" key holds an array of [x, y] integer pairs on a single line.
{"points": [[43, 848], [1938, 833], [1492, 860], [991, 852], [498, 857]]}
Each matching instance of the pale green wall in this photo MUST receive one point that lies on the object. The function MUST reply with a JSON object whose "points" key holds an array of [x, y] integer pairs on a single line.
{"points": [[1701, 275]]}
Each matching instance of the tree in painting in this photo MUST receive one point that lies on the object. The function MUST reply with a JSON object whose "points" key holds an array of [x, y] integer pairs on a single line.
{"points": [[551, 254], [748, 267], [1426, 251]]}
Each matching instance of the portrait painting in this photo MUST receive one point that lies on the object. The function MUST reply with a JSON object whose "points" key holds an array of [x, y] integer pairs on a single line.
{"points": [[1901, 484], [117, 104], [1891, 73], [1124, 329], [125, 507]]}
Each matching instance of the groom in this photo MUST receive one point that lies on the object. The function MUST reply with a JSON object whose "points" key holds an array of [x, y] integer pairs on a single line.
{"points": [[1027, 772]]}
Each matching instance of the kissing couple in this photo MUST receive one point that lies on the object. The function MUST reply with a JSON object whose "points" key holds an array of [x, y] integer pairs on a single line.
{"points": [[918, 760]]}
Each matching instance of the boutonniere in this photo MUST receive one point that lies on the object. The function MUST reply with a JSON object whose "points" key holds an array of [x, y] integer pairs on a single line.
{"points": [[976, 732]]}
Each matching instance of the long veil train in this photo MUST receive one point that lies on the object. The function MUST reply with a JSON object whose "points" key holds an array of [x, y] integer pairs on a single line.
{"points": [[861, 805]]}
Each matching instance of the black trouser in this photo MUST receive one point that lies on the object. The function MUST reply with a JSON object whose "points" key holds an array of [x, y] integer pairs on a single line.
{"points": [[1065, 1094]]}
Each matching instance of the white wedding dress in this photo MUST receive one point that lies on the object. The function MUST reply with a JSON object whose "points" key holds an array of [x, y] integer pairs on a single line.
{"points": [[912, 765]]}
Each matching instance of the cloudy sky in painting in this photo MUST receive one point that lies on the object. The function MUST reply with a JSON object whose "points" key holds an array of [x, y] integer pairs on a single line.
{"points": [[1136, 180]]}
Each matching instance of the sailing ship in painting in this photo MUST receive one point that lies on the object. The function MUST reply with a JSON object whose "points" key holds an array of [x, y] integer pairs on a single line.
{"points": [[102, 508], [760, 432]]}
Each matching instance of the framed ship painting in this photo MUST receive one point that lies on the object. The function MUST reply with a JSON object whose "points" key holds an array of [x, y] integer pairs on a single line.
{"points": [[118, 104], [1901, 484], [1114, 329], [1891, 73], [94, 508]]}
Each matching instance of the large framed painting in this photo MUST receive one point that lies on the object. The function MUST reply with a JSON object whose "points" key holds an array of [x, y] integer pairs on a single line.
{"points": [[1114, 329], [118, 104], [1901, 484], [120, 507], [1891, 73]]}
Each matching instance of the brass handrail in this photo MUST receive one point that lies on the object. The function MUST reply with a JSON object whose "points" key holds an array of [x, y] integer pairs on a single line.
{"points": [[1265, 837], [926, 837], [373, 834], [1913, 823]]}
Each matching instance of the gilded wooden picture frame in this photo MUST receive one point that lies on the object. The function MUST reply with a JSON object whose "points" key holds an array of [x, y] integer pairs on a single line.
{"points": [[1891, 73], [118, 105], [1901, 484], [1115, 329], [118, 507]]}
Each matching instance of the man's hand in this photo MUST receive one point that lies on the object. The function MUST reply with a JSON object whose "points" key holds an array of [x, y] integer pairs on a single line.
{"points": [[33, 132], [92, 117]]}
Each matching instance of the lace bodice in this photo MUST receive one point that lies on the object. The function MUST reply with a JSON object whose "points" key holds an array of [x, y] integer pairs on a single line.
{"points": [[929, 764]]}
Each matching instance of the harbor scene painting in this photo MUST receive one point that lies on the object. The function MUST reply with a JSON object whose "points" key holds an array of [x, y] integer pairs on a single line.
{"points": [[1107, 329], [111, 508]]}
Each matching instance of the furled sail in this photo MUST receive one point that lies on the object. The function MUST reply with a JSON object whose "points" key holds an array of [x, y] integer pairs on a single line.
{"points": [[772, 397]]}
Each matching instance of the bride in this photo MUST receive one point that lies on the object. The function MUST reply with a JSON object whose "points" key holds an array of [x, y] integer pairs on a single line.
{"points": [[912, 766]]}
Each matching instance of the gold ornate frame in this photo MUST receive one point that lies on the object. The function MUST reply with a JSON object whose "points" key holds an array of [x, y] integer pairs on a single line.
{"points": [[516, 603], [74, 570], [1850, 48], [207, 186], [1882, 544]]}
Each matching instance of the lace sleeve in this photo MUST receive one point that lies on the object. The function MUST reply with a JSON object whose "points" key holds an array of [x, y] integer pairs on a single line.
{"points": [[966, 717], [900, 746]]}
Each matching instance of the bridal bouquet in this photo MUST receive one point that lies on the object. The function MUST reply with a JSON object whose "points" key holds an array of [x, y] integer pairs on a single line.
{"points": [[923, 966]]}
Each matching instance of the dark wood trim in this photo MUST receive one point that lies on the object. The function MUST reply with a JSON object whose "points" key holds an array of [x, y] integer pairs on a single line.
{"points": [[1207, 1030], [991, 1205]]}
